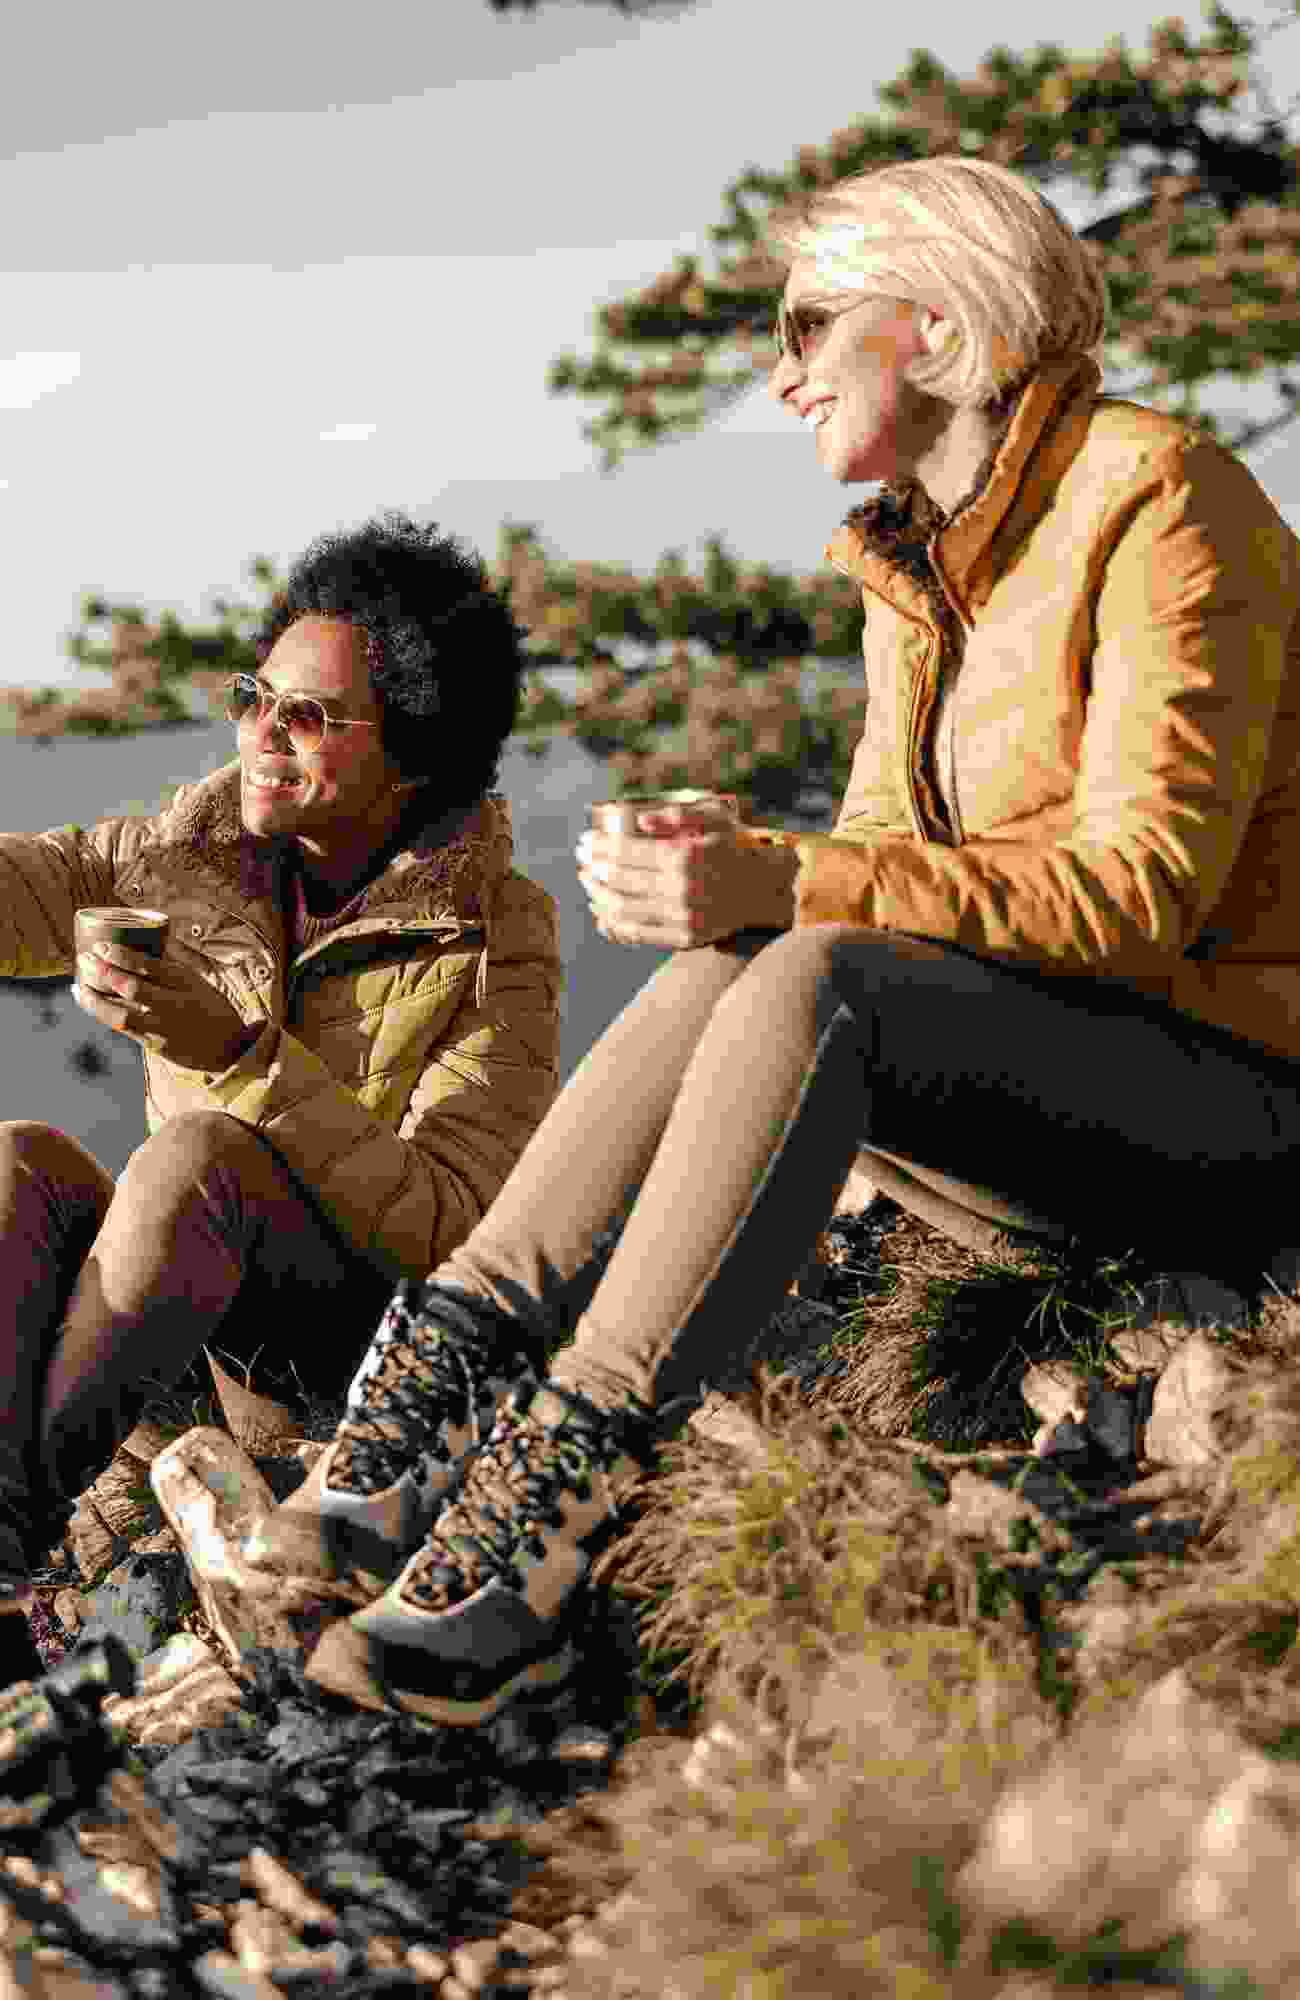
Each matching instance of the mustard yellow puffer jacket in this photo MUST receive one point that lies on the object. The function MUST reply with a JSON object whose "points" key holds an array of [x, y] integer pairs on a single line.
{"points": [[406, 1058], [1081, 750]]}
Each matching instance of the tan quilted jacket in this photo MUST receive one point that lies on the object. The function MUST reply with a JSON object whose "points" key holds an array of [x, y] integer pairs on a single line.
{"points": [[1081, 750], [406, 1058]]}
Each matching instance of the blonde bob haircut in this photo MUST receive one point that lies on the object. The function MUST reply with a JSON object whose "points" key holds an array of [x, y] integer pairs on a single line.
{"points": [[968, 239]]}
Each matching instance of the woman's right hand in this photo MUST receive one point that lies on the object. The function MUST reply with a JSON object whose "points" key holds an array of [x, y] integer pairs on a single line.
{"points": [[683, 879]]}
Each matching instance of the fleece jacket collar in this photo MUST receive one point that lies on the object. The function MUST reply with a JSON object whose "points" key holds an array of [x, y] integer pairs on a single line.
{"points": [[446, 873]]}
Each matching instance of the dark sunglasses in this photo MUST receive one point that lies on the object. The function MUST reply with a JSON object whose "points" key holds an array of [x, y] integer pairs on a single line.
{"points": [[300, 714], [799, 331]]}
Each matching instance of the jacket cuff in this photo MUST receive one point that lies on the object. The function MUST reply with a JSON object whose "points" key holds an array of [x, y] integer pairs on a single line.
{"points": [[835, 881]]}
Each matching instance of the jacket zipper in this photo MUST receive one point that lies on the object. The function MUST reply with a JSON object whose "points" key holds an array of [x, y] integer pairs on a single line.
{"points": [[945, 764], [945, 749], [909, 779], [913, 789]]}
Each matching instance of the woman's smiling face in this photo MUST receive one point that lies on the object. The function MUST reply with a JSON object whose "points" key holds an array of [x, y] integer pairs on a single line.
{"points": [[849, 386], [347, 783]]}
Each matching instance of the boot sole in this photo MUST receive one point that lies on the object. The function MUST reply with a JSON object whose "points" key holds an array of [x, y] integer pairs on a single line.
{"points": [[347, 1663]]}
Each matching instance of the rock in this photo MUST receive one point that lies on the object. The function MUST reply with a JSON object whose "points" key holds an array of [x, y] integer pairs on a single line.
{"points": [[94, 1546], [1241, 1874], [161, 1544], [259, 1937], [1167, 1822], [140, 1602], [1285, 1271], [981, 1510], [329, 1963], [180, 1688], [1060, 1439], [120, 1910], [474, 1963], [121, 1497], [1078, 1411], [1110, 1419], [1189, 1299], [280, 1890], [113, 1514], [226, 1979], [145, 1442], [720, 1759], [39, 1980], [788, 1342], [532, 1944], [70, 1609], [426, 1964], [723, 1422], [1181, 1427], [212, 1495], [513, 1741], [1104, 1623], [582, 1743], [1147, 1349], [1055, 1391]]}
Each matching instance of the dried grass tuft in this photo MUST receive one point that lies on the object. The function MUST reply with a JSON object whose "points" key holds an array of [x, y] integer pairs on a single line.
{"points": [[936, 1353], [753, 1892], [761, 1572], [873, 1717], [937, 1348]]}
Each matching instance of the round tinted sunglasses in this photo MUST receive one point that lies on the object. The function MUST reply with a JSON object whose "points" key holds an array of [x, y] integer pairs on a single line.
{"points": [[300, 714]]}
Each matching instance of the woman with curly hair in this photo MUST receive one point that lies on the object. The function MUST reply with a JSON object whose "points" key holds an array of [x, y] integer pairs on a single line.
{"points": [[1044, 975], [350, 1038]]}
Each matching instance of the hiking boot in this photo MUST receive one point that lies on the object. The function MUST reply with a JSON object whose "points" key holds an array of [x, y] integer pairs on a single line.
{"points": [[486, 1609], [424, 1396]]}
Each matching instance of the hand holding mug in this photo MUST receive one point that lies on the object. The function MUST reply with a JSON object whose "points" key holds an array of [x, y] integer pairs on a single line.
{"points": [[154, 991], [685, 877]]}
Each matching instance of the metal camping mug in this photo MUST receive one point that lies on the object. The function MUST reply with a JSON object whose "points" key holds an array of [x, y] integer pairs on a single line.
{"points": [[619, 815], [138, 930]]}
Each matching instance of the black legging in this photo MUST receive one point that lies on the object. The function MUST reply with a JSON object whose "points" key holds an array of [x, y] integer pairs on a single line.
{"points": [[740, 1084]]}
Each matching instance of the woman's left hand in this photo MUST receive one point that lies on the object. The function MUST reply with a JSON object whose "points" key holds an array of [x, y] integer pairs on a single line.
{"points": [[683, 880], [165, 1004]]}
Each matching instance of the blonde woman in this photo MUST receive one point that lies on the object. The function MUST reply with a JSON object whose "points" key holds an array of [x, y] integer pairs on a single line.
{"points": [[1047, 972]]}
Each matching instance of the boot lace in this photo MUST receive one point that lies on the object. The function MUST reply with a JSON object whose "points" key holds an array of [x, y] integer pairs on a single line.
{"points": [[441, 1358], [511, 1490]]}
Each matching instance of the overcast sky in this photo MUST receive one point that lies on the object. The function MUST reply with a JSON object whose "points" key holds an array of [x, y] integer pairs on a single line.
{"points": [[264, 269]]}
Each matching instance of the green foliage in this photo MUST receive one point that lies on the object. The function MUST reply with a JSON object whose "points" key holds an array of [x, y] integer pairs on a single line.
{"points": [[1273, 1639], [945, 1918], [693, 341], [151, 664]]}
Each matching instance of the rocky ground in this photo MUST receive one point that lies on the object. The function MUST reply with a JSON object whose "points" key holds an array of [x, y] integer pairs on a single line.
{"points": [[1003, 1720]]}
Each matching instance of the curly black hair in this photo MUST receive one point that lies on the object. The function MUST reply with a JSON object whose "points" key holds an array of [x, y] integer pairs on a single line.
{"points": [[446, 657]]}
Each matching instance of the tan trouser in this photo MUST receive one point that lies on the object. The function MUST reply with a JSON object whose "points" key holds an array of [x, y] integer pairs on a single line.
{"points": [[108, 1288], [730, 1099]]}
